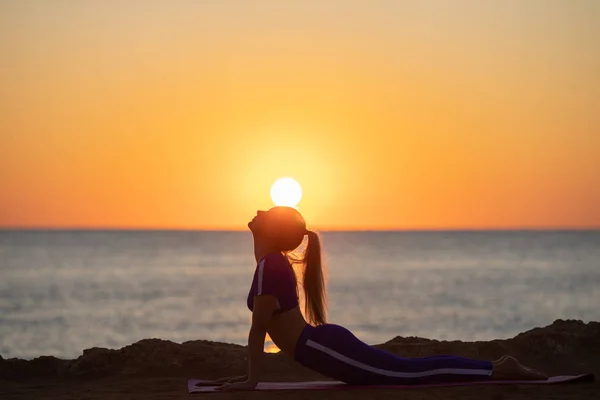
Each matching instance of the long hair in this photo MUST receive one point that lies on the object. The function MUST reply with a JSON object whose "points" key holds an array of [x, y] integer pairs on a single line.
{"points": [[289, 229], [313, 281]]}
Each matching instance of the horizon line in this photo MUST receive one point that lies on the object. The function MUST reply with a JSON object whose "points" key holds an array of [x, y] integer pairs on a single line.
{"points": [[341, 230]]}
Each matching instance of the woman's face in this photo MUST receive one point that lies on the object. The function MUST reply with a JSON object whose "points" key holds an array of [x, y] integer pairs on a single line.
{"points": [[281, 226], [258, 223]]}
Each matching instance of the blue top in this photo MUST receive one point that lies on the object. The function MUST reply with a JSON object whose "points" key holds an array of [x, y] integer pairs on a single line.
{"points": [[274, 276]]}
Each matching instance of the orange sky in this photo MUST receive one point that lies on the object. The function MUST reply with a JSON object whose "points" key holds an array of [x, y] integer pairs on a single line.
{"points": [[391, 115]]}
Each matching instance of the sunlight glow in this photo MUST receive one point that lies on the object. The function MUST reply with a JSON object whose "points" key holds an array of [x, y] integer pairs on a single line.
{"points": [[286, 192]]}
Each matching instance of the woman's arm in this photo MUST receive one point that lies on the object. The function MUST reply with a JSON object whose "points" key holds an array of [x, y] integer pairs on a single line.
{"points": [[264, 306], [261, 316]]}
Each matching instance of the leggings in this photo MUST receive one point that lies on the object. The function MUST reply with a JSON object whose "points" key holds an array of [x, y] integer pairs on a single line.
{"points": [[335, 352]]}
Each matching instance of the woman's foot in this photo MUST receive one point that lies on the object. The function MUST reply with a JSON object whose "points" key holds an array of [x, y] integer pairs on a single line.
{"points": [[498, 361], [508, 368]]}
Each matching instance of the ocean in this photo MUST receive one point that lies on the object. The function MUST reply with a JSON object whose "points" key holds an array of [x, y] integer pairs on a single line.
{"points": [[65, 291]]}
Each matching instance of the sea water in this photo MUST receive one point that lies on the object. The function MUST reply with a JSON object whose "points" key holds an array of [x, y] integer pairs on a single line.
{"points": [[65, 291]]}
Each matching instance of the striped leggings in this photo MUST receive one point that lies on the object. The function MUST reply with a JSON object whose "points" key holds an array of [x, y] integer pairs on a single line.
{"points": [[335, 352]]}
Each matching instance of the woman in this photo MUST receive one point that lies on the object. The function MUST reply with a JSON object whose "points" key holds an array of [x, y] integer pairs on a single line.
{"points": [[326, 348]]}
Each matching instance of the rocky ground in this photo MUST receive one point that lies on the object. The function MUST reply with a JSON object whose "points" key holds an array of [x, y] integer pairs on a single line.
{"points": [[158, 369]]}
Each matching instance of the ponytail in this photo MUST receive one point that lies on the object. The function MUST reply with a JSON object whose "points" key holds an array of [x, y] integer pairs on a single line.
{"points": [[315, 305]]}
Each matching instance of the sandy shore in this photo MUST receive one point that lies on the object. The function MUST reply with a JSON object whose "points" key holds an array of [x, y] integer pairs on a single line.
{"points": [[157, 369]]}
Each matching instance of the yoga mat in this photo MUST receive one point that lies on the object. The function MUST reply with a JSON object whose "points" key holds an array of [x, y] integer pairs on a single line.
{"points": [[336, 385]]}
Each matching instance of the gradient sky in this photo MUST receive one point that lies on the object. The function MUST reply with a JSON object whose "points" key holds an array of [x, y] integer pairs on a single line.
{"points": [[391, 114]]}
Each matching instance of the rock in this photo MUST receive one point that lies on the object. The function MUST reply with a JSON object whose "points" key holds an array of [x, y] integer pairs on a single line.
{"points": [[564, 347], [46, 366]]}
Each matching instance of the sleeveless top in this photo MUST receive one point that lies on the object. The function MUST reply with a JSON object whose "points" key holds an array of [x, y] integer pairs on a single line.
{"points": [[274, 276]]}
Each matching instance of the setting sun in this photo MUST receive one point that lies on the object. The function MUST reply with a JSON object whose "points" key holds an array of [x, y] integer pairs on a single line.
{"points": [[286, 192]]}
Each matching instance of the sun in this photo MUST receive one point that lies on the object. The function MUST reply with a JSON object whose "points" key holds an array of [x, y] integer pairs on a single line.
{"points": [[286, 192]]}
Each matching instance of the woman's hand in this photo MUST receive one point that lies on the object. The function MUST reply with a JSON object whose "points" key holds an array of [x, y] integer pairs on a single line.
{"points": [[245, 385], [221, 381]]}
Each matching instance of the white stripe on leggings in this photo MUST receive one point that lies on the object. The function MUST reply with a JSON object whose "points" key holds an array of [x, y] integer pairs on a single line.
{"points": [[358, 364]]}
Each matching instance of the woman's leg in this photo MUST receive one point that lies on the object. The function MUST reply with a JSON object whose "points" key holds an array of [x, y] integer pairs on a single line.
{"points": [[335, 352], [507, 367]]}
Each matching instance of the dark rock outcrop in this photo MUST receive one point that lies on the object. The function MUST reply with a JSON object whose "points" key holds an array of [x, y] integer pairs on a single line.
{"points": [[564, 347]]}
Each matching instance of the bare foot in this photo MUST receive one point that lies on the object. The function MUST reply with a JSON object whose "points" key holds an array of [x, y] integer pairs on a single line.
{"points": [[498, 361], [508, 368]]}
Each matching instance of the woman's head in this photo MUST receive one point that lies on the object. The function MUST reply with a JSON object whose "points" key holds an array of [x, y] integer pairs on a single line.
{"points": [[283, 229], [280, 227]]}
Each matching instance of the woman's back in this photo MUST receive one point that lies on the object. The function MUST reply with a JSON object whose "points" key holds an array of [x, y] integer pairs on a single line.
{"points": [[285, 329]]}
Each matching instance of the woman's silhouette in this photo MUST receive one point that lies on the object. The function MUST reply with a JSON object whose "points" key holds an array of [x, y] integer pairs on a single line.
{"points": [[327, 348]]}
